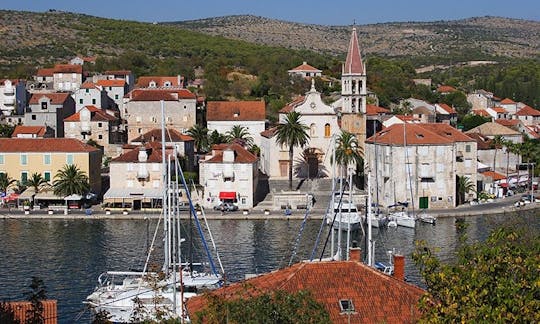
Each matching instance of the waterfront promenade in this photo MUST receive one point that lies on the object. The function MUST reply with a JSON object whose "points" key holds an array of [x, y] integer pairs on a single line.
{"points": [[498, 206]]}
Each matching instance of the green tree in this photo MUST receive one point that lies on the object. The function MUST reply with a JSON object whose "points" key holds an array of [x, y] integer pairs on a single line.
{"points": [[240, 133], [292, 133], [216, 138], [200, 137], [6, 130], [35, 296], [496, 143], [5, 182], [495, 281], [70, 180], [464, 186], [36, 182], [470, 121], [348, 152], [276, 307]]}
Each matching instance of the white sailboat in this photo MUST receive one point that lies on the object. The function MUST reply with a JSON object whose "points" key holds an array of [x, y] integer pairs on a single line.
{"points": [[127, 296]]}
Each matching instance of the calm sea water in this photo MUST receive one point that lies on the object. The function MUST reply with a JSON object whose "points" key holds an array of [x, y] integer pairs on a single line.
{"points": [[70, 254]]}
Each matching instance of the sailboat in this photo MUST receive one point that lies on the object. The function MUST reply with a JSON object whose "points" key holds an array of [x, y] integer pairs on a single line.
{"points": [[128, 296]]}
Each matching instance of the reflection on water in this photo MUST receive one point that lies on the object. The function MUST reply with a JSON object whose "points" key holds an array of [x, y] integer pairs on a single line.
{"points": [[70, 254]]}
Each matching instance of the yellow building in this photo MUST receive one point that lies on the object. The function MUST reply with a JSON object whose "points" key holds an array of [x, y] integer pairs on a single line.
{"points": [[21, 157]]}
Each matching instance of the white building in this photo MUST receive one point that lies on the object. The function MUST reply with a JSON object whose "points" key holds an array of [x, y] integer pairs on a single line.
{"points": [[229, 174], [305, 71], [89, 94], [13, 97], [116, 90], [222, 116], [67, 77], [419, 163]]}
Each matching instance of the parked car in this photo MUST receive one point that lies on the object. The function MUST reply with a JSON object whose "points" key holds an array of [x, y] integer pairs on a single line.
{"points": [[226, 206]]}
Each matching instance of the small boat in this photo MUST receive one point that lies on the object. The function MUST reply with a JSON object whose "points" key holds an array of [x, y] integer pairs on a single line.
{"points": [[427, 218], [402, 218], [344, 216]]}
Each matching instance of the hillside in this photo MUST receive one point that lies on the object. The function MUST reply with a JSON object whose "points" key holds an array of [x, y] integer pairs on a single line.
{"points": [[468, 39]]}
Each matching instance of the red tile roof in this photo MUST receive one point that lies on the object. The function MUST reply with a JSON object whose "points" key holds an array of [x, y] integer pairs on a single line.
{"points": [[528, 111], [68, 68], [482, 142], [494, 175], [291, 105], [96, 114], [376, 297], [269, 133], [118, 72], [55, 97], [241, 154], [111, 83], [376, 110], [144, 81], [448, 131], [481, 112], [153, 149], [235, 111], [499, 110], [305, 67], [353, 63], [88, 85], [39, 131], [45, 72], [18, 145], [171, 135], [160, 94], [447, 108], [20, 309], [507, 101], [508, 122], [445, 89], [410, 134]]}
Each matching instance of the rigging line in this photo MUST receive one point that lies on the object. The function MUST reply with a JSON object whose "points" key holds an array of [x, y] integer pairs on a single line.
{"points": [[299, 236], [317, 240], [332, 225]]}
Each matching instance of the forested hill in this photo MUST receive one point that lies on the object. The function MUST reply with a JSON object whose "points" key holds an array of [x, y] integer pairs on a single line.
{"points": [[444, 41]]}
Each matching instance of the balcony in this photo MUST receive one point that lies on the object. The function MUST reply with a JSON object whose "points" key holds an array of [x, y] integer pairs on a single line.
{"points": [[9, 101]]}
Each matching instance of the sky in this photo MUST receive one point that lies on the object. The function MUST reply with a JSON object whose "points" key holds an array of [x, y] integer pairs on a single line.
{"points": [[321, 12]]}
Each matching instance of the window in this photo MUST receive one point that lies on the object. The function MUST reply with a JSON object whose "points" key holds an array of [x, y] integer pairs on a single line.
{"points": [[312, 130], [130, 166], [110, 88], [346, 305], [153, 119], [243, 200], [44, 105], [1, 158], [24, 176], [169, 119], [100, 136], [33, 117], [99, 125], [81, 101], [467, 148], [69, 159], [24, 159], [46, 159], [327, 130], [129, 183], [47, 176], [115, 96], [93, 101], [87, 90]]}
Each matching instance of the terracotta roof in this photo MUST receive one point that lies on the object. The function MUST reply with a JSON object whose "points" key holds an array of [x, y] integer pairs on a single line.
{"points": [[88, 85], [291, 105], [305, 67], [118, 72], [160, 94], [153, 149], [445, 88], [171, 135], [45, 72], [494, 175], [44, 145], [376, 297], [144, 81], [410, 134], [507, 101], [235, 110], [96, 114], [241, 154], [499, 110], [528, 111], [353, 63], [55, 97], [447, 108], [423, 110], [482, 142], [508, 122], [20, 309], [111, 83], [39, 131], [481, 112], [376, 110], [68, 68], [492, 129], [407, 118], [448, 131], [269, 133]]}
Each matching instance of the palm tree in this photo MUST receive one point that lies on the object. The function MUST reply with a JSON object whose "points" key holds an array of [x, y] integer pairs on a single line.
{"points": [[348, 152], [200, 137], [216, 138], [71, 180], [37, 182], [5, 182], [496, 143], [292, 133], [464, 186], [240, 133]]}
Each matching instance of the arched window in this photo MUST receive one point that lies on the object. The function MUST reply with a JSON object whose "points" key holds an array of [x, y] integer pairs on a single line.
{"points": [[327, 130], [312, 130]]}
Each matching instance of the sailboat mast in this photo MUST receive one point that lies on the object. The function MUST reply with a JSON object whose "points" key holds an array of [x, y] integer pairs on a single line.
{"points": [[333, 191], [370, 243], [165, 185]]}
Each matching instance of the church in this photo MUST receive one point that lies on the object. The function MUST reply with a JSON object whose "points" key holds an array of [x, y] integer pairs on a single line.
{"points": [[324, 122]]}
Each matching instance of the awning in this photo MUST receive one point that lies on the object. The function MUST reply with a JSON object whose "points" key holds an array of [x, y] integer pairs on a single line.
{"points": [[131, 192], [73, 197], [227, 195], [47, 195]]}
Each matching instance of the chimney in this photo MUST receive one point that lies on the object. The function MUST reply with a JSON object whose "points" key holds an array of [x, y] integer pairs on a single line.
{"points": [[355, 254], [304, 63], [399, 267]]}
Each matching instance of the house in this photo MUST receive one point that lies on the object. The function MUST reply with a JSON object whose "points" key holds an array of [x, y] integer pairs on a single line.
{"points": [[445, 114], [184, 144], [492, 129], [21, 157], [67, 77], [142, 110], [305, 71], [528, 116], [125, 75], [480, 99], [80, 60], [21, 309], [136, 178], [49, 110], [93, 123], [350, 291], [497, 113], [509, 105], [425, 114], [313, 160], [400, 119], [375, 116], [91, 94], [22, 131], [229, 173], [13, 97], [445, 89], [160, 82], [43, 80], [419, 163], [116, 90], [222, 116]]}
